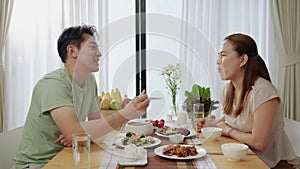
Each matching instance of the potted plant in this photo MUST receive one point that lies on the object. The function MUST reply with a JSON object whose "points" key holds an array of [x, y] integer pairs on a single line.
{"points": [[200, 94]]}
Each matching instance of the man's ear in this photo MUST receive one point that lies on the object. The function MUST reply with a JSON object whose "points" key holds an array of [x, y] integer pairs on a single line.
{"points": [[243, 60], [72, 51]]}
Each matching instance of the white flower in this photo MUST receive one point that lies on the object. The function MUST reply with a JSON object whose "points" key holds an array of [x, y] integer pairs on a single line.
{"points": [[172, 76]]}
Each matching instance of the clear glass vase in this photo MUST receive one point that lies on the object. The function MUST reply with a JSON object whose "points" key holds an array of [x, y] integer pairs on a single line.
{"points": [[172, 114]]}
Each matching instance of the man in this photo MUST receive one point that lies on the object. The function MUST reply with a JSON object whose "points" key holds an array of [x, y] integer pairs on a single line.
{"points": [[63, 99]]}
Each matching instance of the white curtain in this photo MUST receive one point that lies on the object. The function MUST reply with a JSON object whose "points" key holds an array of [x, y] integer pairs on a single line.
{"points": [[209, 22], [6, 8], [31, 49], [287, 19]]}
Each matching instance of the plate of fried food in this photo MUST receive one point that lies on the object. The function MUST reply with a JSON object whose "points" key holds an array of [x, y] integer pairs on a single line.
{"points": [[166, 131], [180, 152]]}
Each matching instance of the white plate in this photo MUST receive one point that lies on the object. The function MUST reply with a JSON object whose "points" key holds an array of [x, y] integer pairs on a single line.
{"points": [[118, 142], [192, 133], [139, 162], [201, 153]]}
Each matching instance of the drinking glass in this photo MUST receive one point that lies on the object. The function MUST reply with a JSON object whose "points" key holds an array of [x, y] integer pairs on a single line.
{"points": [[182, 118], [198, 113], [81, 150]]}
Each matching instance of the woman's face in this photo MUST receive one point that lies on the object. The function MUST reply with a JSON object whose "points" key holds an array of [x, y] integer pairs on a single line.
{"points": [[228, 62]]}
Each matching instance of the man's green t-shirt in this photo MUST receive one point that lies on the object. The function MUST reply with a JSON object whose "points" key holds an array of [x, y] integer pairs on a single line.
{"points": [[54, 90]]}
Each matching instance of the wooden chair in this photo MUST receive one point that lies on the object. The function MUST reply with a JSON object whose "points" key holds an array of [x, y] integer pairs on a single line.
{"points": [[9, 143], [292, 129]]}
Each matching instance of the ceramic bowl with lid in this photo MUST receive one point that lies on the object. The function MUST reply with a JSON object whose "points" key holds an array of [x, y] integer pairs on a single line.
{"points": [[139, 126]]}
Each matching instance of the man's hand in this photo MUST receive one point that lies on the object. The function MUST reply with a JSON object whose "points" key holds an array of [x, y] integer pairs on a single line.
{"points": [[137, 107], [61, 139]]}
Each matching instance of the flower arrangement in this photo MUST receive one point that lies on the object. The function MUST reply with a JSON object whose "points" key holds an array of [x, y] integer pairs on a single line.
{"points": [[172, 77]]}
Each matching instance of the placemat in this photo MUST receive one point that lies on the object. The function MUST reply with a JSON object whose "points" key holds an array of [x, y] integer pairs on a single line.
{"points": [[113, 155]]}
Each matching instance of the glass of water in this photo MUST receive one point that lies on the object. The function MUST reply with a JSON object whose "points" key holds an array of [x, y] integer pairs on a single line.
{"points": [[198, 113], [81, 150]]}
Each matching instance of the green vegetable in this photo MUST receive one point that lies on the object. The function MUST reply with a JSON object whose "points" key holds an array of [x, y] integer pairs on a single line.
{"points": [[129, 134], [138, 144], [125, 140], [142, 136]]}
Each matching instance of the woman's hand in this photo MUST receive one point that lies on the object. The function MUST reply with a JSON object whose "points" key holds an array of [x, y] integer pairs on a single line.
{"points": [[225, 128], [62, 139], [206, 122]]}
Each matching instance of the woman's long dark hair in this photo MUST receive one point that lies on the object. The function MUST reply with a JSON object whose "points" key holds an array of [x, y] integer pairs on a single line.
{"points": [[254, 68]]}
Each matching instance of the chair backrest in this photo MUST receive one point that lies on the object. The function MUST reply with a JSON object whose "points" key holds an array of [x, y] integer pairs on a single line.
{"points": [[292, 129], [9, 143]]}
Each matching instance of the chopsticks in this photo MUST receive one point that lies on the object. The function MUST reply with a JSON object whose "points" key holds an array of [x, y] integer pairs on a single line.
{"points": [[221, 153]]}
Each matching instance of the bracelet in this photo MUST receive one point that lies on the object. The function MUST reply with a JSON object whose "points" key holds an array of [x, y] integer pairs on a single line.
{"points": [[230, 131], [116, 123]]}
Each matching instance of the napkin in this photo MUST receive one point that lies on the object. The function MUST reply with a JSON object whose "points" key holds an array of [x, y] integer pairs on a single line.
{"points": [[112, 157], [205, 163], [109, 138]]}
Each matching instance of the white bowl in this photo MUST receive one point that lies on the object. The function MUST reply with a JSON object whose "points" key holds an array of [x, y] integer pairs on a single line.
{"points": [[234, 151], [211, 133], [139, 126], [176, 138]]}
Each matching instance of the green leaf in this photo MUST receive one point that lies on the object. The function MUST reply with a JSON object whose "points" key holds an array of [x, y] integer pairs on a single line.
{"points": [[200, 89], [187, 94], [206, 93], [195, 91]]}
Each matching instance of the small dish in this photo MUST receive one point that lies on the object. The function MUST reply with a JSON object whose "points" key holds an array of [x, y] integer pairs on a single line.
{"points": [[140, 162], [176, 138], [125, 161]]}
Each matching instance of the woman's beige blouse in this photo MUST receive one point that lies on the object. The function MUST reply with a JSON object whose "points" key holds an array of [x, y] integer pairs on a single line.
{"points": [[279, 147]]}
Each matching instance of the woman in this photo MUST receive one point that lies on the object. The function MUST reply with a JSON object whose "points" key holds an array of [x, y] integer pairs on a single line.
{"points": [[251, 104]]}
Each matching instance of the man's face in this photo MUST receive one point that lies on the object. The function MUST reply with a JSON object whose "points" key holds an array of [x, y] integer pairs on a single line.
{"points": [[89, 54]]}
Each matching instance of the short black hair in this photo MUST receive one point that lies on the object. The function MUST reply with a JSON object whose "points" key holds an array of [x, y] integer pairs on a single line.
{"points": [[73, 35]]}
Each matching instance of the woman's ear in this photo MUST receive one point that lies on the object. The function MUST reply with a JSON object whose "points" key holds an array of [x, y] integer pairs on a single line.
{"points": [[72, 51], [243, 60]]}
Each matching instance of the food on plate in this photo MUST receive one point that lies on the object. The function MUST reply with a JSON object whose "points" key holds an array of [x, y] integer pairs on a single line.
{"points": [[138, 140], [158, 123], [161, 123], [170, 131], [180, 151]]}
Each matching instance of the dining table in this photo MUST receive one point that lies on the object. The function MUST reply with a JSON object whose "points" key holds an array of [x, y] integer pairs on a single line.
{"points": [[103, 155]]}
